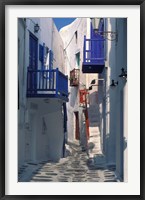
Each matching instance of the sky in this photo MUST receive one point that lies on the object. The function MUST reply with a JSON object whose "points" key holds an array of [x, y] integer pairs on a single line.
{"points": [[61, 22]]}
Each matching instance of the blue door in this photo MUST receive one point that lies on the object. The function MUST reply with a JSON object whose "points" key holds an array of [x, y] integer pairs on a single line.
{"points": [[33, 61]]}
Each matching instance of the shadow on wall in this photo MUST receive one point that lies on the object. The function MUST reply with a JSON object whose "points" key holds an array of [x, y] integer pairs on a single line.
{"points": [[91, 146], [116, 142], [73, 97], [83, 137], [107, 142], [94, 110], [124, 143], [93, 98]]}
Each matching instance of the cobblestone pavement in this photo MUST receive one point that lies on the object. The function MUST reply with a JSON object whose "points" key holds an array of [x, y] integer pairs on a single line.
{"points": [[77, 167]]}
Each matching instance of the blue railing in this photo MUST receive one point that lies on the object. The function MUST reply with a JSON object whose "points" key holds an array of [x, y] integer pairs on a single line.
{"points": [[47, 84], [94, 51], [93, 55]]}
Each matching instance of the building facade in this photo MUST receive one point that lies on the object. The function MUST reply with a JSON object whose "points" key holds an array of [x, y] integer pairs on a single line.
{"points": [[101, 44], [92, 52], [43, 91], [114, 104], [72, 36]]}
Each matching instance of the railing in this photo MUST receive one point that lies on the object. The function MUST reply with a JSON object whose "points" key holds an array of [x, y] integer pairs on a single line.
{"points": [[83, 97], [47, 83], [74, 77], [93, 51]]}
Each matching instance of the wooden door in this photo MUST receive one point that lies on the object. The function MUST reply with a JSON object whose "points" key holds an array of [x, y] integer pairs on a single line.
{"points": [[33, 61], [77, 130]]}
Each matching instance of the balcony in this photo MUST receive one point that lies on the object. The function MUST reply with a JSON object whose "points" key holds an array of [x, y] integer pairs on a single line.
{"points": [[93, 58], [83, 97], [93, 52], [74, 77], [47, 84]]}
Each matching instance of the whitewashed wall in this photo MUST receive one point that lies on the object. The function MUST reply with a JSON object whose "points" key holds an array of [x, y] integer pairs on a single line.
{"points": [[21, 111], [47, 132], [121, 137], [34, 144], [110, 96], [115, 133], [71, 47], [58, 49], [125, 131]]}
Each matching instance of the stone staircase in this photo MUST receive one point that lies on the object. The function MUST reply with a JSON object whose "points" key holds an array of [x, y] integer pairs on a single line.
{"points": [[94, 115], [94, 143]]}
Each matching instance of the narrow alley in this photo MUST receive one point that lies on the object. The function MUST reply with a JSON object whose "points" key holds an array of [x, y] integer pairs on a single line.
{"points": [[72, 102], [77, 166]]}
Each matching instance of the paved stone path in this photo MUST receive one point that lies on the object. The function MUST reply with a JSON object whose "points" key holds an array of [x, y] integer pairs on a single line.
{"points": [[77, 167]]}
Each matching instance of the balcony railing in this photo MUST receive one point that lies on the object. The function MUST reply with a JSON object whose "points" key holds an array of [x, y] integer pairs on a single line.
{"points": [[83, 97], [93, 57], [47, 84]]}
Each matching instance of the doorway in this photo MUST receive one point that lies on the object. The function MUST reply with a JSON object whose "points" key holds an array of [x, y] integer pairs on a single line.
{"points": [[33, 60], [77, 130]]}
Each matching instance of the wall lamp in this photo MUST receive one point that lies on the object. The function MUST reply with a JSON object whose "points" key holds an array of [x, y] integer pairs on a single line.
{"points": [[91, 87], [123, 74], [36, 28], [36, 25], [93, 83], [109, 35], [114, 84], [94, 80]]}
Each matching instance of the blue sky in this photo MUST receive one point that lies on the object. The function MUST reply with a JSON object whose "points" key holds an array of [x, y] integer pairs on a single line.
{"points": [[61, 22]]}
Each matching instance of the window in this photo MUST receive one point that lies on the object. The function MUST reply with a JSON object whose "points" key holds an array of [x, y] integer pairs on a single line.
{"points": [[78, 59]]}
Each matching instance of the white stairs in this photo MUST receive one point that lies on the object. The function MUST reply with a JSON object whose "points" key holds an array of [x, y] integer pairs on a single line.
{"points": [[94, 143]]}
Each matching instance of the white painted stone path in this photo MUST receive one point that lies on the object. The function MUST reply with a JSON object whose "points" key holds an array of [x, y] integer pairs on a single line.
{"points": [[79, 166]]}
